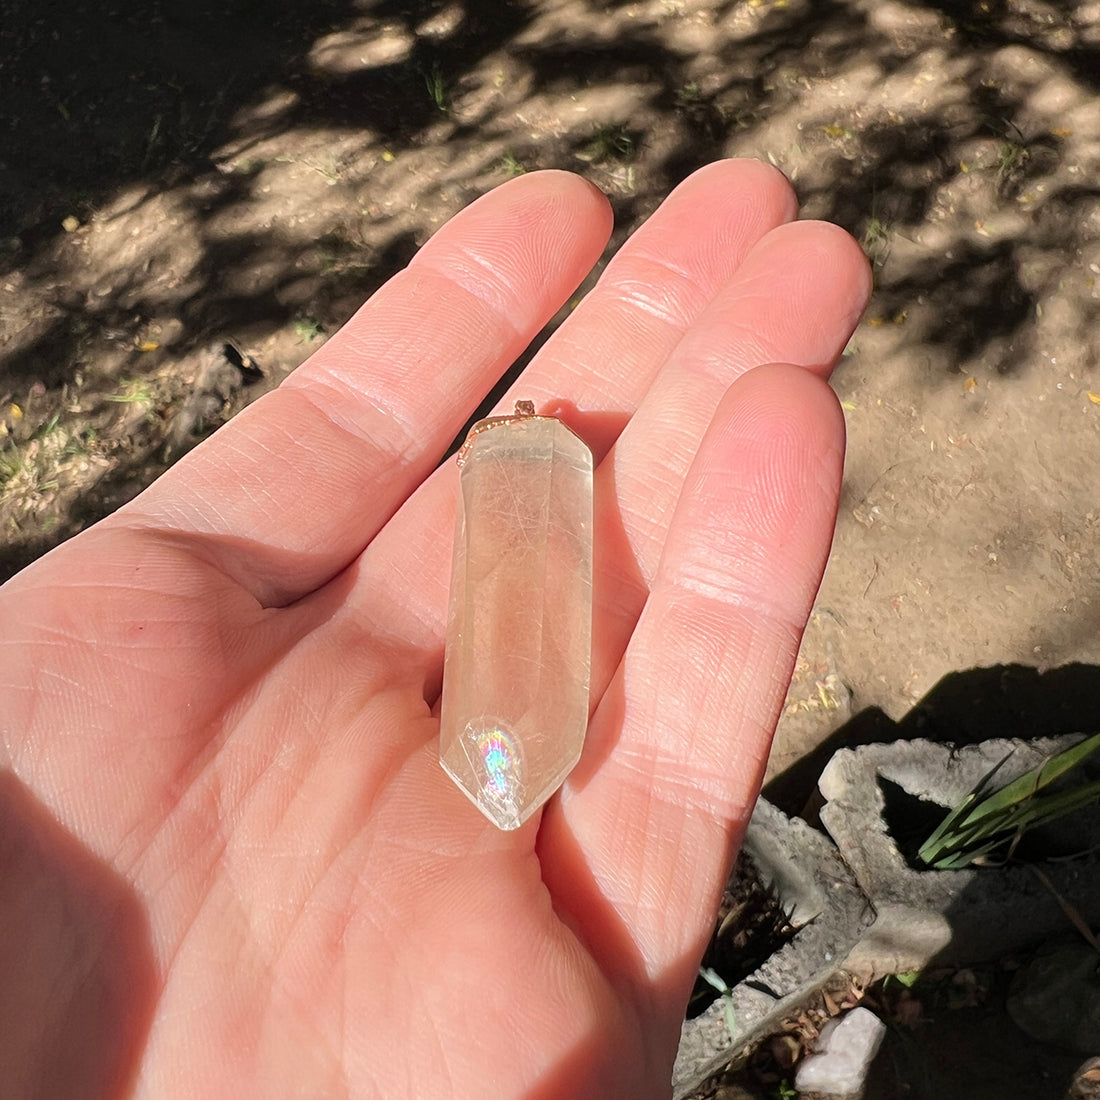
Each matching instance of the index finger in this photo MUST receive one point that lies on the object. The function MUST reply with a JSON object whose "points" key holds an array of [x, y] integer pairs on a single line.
{"points": [[290, 491]]}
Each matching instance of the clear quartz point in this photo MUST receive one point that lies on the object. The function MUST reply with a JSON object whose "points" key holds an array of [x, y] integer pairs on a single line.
{"points": [[519, 633]]}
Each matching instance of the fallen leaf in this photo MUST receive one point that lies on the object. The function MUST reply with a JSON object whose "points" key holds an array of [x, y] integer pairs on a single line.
{"points": [[148, 345], [16, 412], [970, 385], [836, 131], [1094, 397], [1062, 132]]}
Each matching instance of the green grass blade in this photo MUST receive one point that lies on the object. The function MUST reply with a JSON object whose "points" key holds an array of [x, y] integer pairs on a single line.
{"points": [[931, 849], [957, 860], [939, 841], [967, 843], [978, 824], [957, 851], [1036, 779], [1041, 810]]}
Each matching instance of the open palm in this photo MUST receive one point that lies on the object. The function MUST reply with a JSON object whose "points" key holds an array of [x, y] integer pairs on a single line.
{"points": [[230, 864]]}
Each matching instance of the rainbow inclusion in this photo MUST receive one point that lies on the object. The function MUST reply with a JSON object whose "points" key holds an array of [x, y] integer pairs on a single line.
{"points": [[494, 756]]}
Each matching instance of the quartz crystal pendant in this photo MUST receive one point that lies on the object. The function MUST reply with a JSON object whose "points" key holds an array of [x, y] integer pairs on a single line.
{"points": [[519, 634]]}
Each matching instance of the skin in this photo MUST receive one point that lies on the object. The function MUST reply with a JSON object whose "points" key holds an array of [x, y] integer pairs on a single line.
{"points": [[230, 864]]}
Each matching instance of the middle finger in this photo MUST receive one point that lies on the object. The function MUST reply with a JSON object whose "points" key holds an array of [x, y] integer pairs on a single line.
{"points": [[602, 361]]}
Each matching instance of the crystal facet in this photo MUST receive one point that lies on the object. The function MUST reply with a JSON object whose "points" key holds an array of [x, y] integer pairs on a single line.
{"points": [[519, 635]]}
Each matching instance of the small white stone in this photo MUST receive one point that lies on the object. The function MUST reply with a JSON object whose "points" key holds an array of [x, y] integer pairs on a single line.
{"points": [[843, 1054]]}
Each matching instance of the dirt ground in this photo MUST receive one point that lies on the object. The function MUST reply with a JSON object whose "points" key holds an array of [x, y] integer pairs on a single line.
{"points": [[192, 199]]}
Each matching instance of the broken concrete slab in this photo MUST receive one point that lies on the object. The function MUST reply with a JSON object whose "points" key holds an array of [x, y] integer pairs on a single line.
{"points": [[862, 910], [952, 917], [830, 914]]}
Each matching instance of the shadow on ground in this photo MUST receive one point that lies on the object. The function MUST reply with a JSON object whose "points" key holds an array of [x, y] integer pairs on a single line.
{"points": [[156, 199], [964, 708]]}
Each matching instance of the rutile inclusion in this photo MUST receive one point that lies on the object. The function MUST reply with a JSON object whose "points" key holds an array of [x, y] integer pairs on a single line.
{"points": [[516, 673]]}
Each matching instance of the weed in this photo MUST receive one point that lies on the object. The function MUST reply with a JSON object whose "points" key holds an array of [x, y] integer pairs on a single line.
{"points": [[906, 979], [688, 94], [987, 820], [713, 978], [11, 462], [510, 165], [437, 87], [307, 328], [874, 232], [29, 469], [876, 240], [612, 141], [1011, 157], [134, 391]]}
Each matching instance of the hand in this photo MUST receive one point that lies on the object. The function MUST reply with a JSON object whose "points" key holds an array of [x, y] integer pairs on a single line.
{"points": [[230, 863]]}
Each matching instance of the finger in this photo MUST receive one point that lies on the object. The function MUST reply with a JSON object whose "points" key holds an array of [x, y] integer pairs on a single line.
{"points": [[600, 364], [292, 489], [648, 823], [796, 299]]}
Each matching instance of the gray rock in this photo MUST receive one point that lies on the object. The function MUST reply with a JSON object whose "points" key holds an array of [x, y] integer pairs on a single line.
{"points": [[842, 1055], [1055, 997]]}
